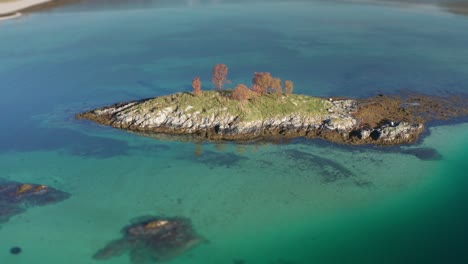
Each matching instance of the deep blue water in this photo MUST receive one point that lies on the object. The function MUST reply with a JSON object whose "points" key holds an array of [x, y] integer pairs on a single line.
{"points": [[258, 203]]}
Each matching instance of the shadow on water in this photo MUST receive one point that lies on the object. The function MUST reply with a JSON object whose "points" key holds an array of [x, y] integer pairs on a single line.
{"points": [[422, 153], [216, 159], [330, 170], [69, 141], [151, 148]]}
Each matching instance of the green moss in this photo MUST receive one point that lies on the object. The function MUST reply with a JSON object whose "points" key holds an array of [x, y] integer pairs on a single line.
{"points": [[258, 107]]}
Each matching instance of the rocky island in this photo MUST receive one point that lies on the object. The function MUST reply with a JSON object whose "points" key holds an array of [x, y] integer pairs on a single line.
{"points": [[267, 110]]}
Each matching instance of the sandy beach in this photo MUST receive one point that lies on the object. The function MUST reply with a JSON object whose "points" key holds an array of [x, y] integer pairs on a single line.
{"points": [[10, 9]]}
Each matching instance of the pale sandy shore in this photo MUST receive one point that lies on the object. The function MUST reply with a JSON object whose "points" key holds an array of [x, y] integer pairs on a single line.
{"points": [[10, 9], [10, 16]]}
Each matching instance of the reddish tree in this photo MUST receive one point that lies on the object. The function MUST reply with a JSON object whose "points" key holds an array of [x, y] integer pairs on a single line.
{"points": [[257, 89], [262, 79], [276, 86], [220, 72], [241, 93], [288, 87], [196, 84]]}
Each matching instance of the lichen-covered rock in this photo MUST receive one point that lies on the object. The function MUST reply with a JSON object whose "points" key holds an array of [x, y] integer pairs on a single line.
{"points": [[340, 123], [400, 132]]}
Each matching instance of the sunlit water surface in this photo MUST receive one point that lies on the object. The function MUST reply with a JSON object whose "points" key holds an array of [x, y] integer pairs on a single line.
{"points": [[302, 202]]}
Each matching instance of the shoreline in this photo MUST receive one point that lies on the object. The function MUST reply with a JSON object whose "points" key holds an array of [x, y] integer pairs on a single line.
{"points": [[10, 16]]}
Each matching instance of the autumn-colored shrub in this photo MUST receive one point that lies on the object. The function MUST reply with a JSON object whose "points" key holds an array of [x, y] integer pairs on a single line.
{"points": [[241, 93], [257, 89], [288, 87], [276, 86], [220, 72], [262, 79], [196, 84]]}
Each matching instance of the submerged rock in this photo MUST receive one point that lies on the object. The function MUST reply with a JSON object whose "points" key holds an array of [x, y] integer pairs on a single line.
{"points": [[15, 250], [16, 197], [155, 239]]}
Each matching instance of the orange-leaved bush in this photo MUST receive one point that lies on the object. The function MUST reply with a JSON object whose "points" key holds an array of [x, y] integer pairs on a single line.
{"points": [[257, 89], [276, 86], [262, 79], [241, 93]]}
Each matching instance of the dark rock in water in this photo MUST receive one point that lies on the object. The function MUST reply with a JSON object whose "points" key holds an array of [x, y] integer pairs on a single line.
{"points": [[67, 140], [15, 250], [16, 197], [156, 239], [424, 153]]}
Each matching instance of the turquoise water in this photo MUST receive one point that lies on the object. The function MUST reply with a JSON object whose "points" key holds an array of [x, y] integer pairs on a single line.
{"points": [[302, 202]]}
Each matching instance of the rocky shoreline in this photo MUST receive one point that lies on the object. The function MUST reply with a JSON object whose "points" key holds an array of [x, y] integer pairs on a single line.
{"points": [[380, 120]]}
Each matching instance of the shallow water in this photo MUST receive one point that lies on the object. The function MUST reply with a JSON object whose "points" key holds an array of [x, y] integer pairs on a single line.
{"points": [[302, 202]]}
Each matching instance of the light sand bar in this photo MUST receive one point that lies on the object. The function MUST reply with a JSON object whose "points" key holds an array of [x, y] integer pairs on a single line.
{"points": [[9, 9]]}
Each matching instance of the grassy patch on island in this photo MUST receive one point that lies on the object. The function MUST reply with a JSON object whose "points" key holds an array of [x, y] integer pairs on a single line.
{"points": [[211, 103]]}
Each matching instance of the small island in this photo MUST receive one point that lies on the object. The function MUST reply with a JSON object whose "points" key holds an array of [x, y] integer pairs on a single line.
{"points": [[269, 109]]}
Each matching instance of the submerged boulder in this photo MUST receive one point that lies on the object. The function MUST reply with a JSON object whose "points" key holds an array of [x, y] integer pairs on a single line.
{"points": [[16, 197], [153, 239]]}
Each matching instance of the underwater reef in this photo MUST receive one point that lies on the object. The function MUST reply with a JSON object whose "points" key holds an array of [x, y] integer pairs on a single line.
{"points": [[153, 239], [16, 197]]}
